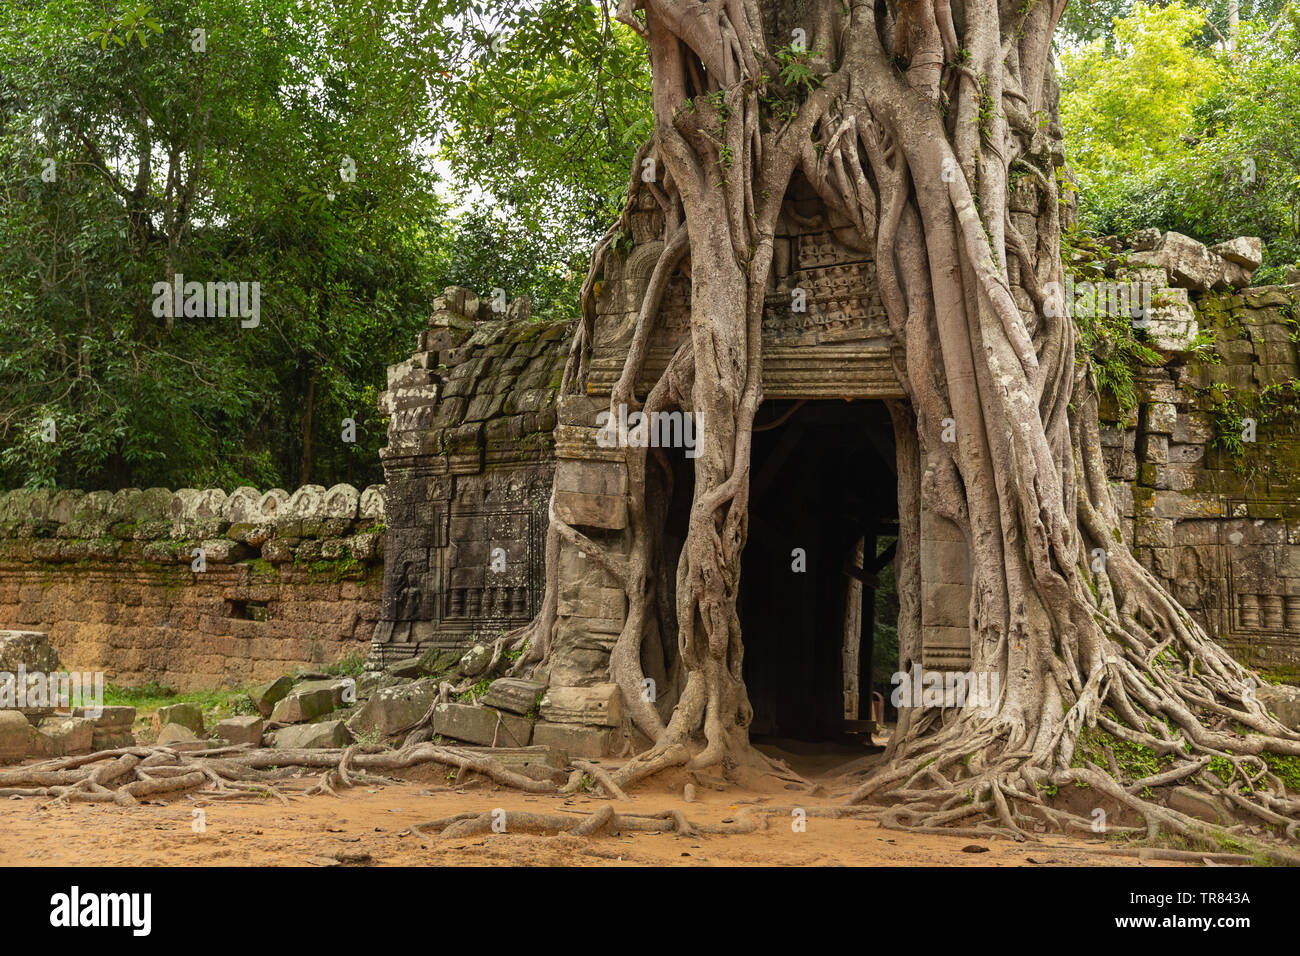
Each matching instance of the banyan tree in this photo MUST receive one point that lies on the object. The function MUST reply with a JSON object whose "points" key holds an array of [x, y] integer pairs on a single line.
{"points": [[915, 121]]}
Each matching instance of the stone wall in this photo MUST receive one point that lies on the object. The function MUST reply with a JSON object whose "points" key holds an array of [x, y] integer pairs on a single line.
{"points": [[193, 588], [1215, 515], [478, 437], [468, 468]]}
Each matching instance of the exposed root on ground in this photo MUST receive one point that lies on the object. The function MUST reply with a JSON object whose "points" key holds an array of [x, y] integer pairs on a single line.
{"points": [[748, 819], [126, 775]]}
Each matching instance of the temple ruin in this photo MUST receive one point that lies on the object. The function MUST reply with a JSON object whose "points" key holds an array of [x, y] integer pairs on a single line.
{"points": [[478, 437]]}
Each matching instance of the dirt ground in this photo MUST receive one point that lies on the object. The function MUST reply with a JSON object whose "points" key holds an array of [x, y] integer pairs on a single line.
{"points": [[370, 825]]}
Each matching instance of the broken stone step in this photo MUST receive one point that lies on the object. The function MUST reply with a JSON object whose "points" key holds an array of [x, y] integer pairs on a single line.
{"points": [[187, 715], [244, 729], [394, 710], [266, 696], [326, 735], [514, 694], [481, 725], [600, 705]]}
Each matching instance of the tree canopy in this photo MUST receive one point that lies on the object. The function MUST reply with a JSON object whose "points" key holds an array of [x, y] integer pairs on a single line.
{"points": [[1164, 129], [351, 159], [354, 159]]}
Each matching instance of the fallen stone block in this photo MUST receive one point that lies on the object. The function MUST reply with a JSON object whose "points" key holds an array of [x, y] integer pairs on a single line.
{"points": [[309, 700], [599, 704], [536, 763], [574, 739], [435, 662], [112, 726], [1284, 701], [244, 729], [1189, 264], [266, 696], [475, 660], [326, 735], [514, 694], [481, 725], [17, 736], [408, 669], [187, 715], [394, 710], [372, 683], [67, 736], [172, 734], [1143, 240], [1245, 251]]}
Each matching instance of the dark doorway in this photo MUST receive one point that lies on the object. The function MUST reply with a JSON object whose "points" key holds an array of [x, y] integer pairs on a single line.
{"points": [[822, 486]]}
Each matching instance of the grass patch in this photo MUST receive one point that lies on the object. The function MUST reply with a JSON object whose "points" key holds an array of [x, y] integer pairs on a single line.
{"points": [[216, 704], [353, 665]]}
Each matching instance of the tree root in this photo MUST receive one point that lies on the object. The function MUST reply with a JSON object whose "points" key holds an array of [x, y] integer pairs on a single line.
{"points": [[139, 772], [749, 820]]}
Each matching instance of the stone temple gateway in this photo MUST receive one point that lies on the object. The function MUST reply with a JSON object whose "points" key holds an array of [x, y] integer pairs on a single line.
{"points": [[479, 437]]}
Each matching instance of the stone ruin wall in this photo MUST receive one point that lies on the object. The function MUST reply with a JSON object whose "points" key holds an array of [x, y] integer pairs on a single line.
{"points": [[469, 467], [477, 436], [290, 579], [1221, 529]]}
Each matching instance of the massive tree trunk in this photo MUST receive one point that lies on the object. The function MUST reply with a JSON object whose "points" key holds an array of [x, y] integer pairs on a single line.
{"points": [[912, 119]]}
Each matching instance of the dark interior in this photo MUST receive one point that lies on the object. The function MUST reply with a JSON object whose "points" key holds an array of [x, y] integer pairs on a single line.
{"points": [[822, 477]]}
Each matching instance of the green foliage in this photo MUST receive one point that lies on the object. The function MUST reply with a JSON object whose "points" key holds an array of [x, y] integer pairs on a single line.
{"points": [[149, 697], [797, 71], [1285, 768], [1114, 344], [218, 164], [1134, 761], [1125, 108], [1094, 20], [477, 691], [1166, 128], [542, 117], [133, 24], [1230, 407], [228, 163], [353, 665]]}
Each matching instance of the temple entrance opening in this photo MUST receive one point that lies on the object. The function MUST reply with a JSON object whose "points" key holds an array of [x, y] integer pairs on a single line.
{"points": [[817, 606]]}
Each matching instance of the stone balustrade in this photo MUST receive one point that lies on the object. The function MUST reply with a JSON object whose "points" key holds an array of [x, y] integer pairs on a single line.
{"points": [[196, 587]]}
